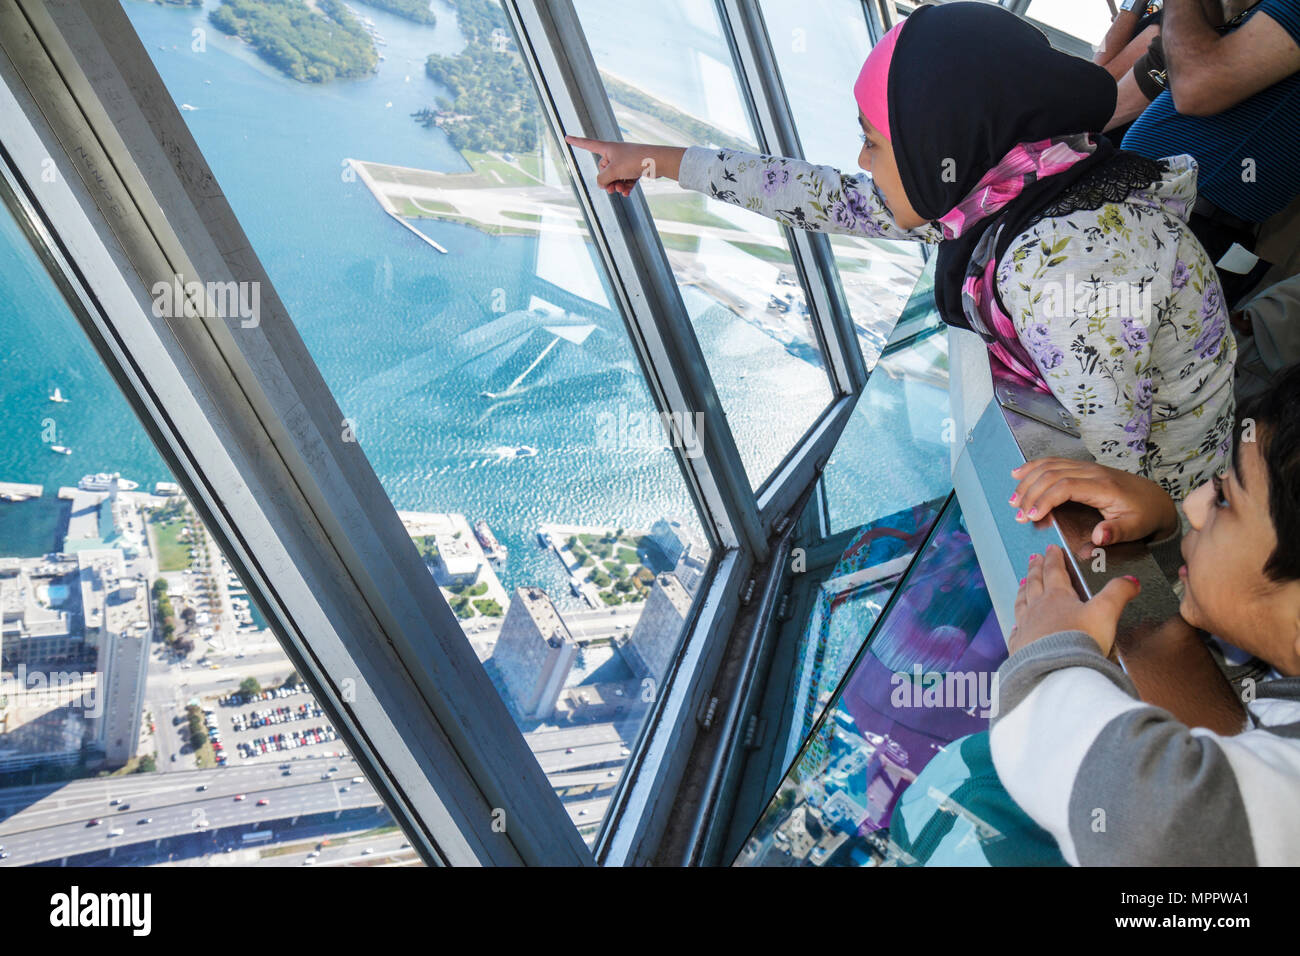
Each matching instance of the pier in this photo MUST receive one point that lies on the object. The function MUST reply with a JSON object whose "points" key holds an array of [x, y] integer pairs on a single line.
{"points": [[386, 204], [17, 491]]}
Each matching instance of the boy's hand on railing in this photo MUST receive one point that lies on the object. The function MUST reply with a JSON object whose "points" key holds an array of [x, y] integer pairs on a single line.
{"points": [[1047, 604], [1132, 507]]}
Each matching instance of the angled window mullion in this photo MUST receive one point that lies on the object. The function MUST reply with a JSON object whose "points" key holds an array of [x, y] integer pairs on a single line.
{"points": [[573, 98], [814, 260], [829, 310], [251, 432]]}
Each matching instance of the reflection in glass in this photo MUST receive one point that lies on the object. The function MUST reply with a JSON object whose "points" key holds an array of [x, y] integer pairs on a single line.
{"points": [[125, 637], [895, 449], [923, 680], [420, 227], [669, 75], [820, 46]]}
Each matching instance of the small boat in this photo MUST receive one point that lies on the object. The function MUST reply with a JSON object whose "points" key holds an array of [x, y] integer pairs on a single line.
{"points": [[57, 396], [525, 451], [543, 539], [61, 450], [187, 107]]}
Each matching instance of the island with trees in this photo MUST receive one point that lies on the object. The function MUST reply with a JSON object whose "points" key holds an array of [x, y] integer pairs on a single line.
{"points": [[415, 10], [491, 105], [312, 44]]}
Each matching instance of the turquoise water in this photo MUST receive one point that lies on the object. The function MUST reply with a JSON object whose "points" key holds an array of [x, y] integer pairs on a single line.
{"points": [[408, 339]]}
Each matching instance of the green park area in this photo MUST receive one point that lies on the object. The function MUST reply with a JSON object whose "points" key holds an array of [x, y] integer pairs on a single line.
{"points": [[615, 560]]}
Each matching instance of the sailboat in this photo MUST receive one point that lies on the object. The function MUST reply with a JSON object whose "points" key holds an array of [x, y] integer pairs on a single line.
{"points": [[57, 396]]}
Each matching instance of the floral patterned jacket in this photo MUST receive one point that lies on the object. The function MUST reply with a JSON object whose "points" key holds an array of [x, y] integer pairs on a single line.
{"points": [[1119, 307]]}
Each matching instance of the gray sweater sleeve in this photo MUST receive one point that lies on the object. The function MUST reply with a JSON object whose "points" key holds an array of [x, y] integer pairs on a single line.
{"points": [[1116, 781]]}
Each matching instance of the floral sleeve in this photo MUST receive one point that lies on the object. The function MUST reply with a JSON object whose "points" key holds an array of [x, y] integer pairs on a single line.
{"points": [[796, 193], [1130, 334]]}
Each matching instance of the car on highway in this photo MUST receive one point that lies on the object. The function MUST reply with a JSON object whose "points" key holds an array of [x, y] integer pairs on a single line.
{"points": [[358, 780], [240, 796], [115, 801], [94, 823], [264, 802], [310, 861], [367, 851], [4, 854], [116, 831], [143, 820], [123, 806]]}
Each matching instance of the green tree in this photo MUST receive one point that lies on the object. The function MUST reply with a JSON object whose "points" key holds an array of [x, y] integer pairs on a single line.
{"points": [[250, 687]]}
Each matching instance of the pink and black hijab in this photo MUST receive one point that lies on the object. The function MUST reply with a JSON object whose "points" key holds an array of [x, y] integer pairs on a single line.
{"points": [[990, 128]]}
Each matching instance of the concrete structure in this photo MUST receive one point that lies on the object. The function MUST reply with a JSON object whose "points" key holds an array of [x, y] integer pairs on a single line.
{"points": [[115, 606], [37, 614], [684, 547], [457, 564], [534, 654], [654, 640], [675, 537]]}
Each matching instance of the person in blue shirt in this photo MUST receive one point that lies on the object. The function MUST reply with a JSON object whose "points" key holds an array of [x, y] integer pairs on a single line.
{"points": [[1233, 102]]}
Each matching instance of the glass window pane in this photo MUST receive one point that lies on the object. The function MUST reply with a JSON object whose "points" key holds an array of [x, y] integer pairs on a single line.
{"points": [[123, 636], [835, 804], [1086, 19], [896, 447], [670, 77], [419, 225], [820, 46]]}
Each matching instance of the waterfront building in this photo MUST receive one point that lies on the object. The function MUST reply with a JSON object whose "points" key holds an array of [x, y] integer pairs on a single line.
{"points": [[534, 654], [455, 564], [649, 651]]}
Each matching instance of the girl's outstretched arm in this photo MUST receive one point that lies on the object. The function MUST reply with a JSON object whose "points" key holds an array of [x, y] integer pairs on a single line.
{"points": [[791, 191]]}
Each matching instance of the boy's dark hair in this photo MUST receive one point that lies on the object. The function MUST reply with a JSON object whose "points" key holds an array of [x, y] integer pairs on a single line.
{"points": [[1275, 413]]}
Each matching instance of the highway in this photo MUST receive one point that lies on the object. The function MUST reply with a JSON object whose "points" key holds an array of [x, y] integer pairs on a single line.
{"points": [[47, 822]]}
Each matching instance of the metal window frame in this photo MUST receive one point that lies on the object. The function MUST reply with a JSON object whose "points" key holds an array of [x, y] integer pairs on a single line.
{"points": [[571, 92], [759, 76], [247, 424]]}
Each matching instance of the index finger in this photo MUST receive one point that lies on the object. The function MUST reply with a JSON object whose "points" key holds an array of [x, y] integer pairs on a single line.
{"points": [[592, 145], [1055, 574]]}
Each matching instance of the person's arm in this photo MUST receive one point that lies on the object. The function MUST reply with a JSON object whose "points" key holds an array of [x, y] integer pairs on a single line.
{"points": [[1118, 36], [1209, 73], [1130, 101], [1116, 781], [796, 193], [1122, 62], [793, 192]]}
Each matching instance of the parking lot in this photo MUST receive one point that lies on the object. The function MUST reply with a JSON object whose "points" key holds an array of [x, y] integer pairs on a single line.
{"points": [[273, 723]]}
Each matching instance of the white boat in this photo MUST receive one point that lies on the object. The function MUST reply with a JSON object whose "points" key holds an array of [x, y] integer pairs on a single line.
{"points": [[59, 449], [525, 451], [103, 481], [57, 396], [187, 107]]}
